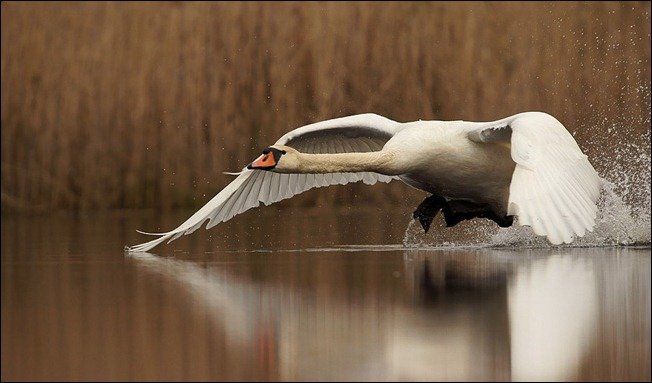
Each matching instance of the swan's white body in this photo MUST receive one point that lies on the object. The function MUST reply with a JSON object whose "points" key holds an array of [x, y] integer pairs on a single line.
{"points": [[443, 161], [526, 165]]}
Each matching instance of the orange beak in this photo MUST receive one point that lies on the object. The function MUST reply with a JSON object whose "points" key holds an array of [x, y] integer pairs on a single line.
{"points": [[265, 161]]}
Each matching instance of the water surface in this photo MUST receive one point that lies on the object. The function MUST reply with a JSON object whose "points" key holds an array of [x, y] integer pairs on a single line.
{"points": [[289, 294]]}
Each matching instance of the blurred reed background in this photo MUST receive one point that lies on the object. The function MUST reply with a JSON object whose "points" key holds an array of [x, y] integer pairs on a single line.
{"points": [[129, 105]]}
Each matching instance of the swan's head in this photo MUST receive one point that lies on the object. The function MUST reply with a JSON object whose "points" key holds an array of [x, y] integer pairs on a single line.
{"points": [[277, 158]]}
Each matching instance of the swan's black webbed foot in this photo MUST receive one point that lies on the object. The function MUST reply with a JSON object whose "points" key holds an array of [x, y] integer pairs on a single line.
{"points": [[427, 210], [505, 221], [456, 211]]}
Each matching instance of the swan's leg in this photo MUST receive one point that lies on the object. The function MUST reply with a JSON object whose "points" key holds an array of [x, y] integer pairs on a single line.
{"points": [[456, 211], [427, 210]]}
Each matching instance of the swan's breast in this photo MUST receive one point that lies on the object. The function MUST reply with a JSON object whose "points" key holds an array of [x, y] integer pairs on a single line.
{"points": [[442, 160]]}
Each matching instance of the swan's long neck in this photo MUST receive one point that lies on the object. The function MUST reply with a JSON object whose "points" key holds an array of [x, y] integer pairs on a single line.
{"points": [[378, 162]]}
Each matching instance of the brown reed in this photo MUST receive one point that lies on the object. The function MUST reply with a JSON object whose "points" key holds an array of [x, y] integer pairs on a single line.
{"points": [[124, 105]]}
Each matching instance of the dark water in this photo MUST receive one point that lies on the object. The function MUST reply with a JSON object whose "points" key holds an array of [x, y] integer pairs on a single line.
{"points": [[284, 294]]}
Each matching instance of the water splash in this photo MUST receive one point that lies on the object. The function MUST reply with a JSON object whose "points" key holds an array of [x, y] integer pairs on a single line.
{"points": [[617, 224], [474, 233]]}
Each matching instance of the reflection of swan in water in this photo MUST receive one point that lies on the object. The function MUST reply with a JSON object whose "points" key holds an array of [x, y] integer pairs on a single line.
{"points": [[463, 331], [476, 315], [287, 331], [553, 311], [227, 297], [547, 310], [249, 325]]}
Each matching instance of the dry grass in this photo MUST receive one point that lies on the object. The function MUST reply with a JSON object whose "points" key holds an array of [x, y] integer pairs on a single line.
{"points": [[109, 105]]}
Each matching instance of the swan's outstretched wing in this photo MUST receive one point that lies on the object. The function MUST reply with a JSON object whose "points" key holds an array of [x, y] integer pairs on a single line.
{"points": [[554, 188], [359, 133]]}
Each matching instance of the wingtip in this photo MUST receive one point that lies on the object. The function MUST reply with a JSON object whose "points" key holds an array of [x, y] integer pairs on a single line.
{"points": [[148, 233], [134, 249], [129, 249]]}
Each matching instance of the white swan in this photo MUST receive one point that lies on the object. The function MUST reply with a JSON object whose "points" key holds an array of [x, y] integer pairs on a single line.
{"points": [[526, 165]]}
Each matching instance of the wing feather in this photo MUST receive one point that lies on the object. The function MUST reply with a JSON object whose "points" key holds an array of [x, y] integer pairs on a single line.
{"points": [[554, 188], [360, 133]]}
